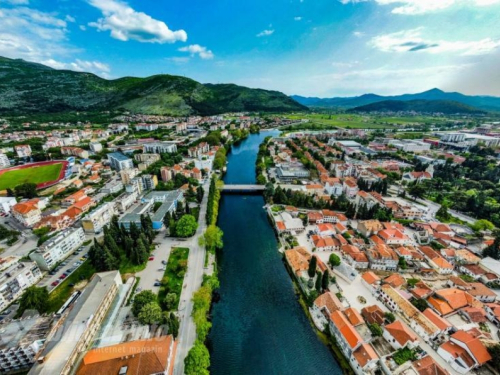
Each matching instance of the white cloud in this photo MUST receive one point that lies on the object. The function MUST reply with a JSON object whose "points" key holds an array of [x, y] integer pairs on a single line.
{"points": [[411, 7], [265, 33], [70, 18], [83, 27], [125, 24], [95, 67], [196, 49], [412, 41], [297, 18], [358, 34]]}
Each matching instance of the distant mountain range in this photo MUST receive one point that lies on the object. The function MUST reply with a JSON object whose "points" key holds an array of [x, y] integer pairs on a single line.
{"points": [[448, 107], [27, 88], [488, 103]]}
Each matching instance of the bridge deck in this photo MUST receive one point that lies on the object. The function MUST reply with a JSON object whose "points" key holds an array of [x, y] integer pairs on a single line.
{"points": [[230, 188]]}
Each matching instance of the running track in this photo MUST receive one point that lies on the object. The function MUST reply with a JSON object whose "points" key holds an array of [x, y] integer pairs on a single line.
{"points": [[39, 164]]}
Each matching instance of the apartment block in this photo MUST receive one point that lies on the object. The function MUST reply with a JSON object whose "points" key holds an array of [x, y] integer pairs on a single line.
{"points": [[15, 279], [96, 219]]}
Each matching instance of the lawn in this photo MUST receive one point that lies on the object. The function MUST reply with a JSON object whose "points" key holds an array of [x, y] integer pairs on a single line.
{"points": [[174, 275], [59, 295], [37, 175]]}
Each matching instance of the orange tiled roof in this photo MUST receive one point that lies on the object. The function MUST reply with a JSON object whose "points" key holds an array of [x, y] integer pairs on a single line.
{"points": [[439, 322], [330, 301], [370, 277], [364, 354], [395, 280], [351, 336], [400, 333], [475, 346], [428, 366], [353, 316], [142, 356]]}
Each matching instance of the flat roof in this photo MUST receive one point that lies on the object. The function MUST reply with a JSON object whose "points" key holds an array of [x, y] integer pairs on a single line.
{"points": [[23, 332], [63, 343], [118, 156]]}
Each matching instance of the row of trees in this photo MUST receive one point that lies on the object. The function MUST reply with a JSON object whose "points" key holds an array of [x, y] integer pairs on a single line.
{"points": [[213, 202], [378, 186], [119, 245]]}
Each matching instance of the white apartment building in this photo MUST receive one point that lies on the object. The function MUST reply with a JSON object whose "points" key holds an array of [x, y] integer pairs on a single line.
{"points": [[160, 147], [58, 248], [125, 201], [453, 137], [15, 279], [6, 203], [96, 147], [95, 220], [411, 145], [4, 161], [119, 161]]}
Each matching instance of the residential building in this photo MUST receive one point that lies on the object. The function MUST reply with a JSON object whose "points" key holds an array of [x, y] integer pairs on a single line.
{"points": [[75, 151], [447, 301], [23, 151], [369, 227], [290, 172], [147, 356], [354, 257], [151, 158], [464, 352], [149, 181], [28, 213], [323, 307], [382, 257], [112, 187], [15, 279], [119, 161], [124, 201], [160, 147], [146, 127], [96, 219], [373, 314], [6, 204], [348, 339], [4, 161], [399, 336], [57, 248], [95, 146], [61, 356], [21, 341], [364, 360]]}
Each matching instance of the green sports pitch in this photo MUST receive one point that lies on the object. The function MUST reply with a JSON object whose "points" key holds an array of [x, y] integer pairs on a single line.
{"points": [[37, 174]]}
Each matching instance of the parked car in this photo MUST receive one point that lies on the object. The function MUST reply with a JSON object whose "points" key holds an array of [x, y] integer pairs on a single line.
{"points": [[55, 283], [164, 262], [157, 283], [151, 258]]}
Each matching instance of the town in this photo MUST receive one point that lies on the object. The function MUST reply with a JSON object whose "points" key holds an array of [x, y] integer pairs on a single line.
{"points": [[109, 237]]}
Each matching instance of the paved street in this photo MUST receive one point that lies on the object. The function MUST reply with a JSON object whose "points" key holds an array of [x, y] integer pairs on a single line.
{"points": [[192, 282]]}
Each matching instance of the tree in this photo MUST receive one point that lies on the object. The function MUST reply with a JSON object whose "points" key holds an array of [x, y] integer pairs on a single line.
{"points": [[198, 360], [34, 298], [419, 303], [319, 278], [480, 225], [402, 263], [494, 351], [213, 238], [334, 260], [375, 329], [312, 267], [325, 282], [186, 226], [170, 301], [150, 314], [26, 190], [390, 317], [442, 213], [172, 322], [199, 194], [417, 190], [142, 299]]}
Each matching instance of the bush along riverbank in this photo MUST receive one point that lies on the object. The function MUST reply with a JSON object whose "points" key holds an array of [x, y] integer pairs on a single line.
{"points": [[198, 359]]}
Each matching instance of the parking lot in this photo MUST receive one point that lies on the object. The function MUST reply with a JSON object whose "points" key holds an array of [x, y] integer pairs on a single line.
{"points": [[53, 278]]}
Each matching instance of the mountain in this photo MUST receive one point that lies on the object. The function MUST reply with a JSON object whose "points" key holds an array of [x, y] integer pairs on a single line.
{"points": [[488, 103], [27, 87], [448, 107]]}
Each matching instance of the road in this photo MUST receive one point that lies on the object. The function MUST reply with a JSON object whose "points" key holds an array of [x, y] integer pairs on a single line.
{"points": [[192, 282]]}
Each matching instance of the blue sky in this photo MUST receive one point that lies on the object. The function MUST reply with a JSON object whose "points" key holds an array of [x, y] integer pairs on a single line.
{"points": [[307, 47]]}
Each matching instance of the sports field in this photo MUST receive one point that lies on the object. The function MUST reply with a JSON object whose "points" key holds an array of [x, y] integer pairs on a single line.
{"points": [[38, 174]]}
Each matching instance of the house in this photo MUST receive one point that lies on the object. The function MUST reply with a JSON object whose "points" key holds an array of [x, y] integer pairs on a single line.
{"points": [[437, 261], [354, 257], [443, 325], [449, 300], [394, 237], [364, 359], [288, 224], [369, 227], [421, 290], [325, 243], [325, 229], [418, 321], [473, 270], [428, 366], [315, 217], [28, 213], [382, 257], [399, 336], [395, 280], [333, 186], [323, 307], [481, 292], [371, 281], [464, 352], [298, 259], [348, 339], [493, 312], [473, 314], [373, 314]]}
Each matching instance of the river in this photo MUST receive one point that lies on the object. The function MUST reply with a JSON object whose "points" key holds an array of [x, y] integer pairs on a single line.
{"points": [[258, 325]]}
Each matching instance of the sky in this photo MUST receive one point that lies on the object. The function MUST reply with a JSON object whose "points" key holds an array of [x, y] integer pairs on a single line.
{"points": [[322, 48]]}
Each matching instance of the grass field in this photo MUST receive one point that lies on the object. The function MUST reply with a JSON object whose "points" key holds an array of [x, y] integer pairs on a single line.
{"points": [[341, 121], [37, 175], [174, 275]]}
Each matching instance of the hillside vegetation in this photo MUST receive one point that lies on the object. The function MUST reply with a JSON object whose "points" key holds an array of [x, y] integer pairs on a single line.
{"points": [[29, 88]]}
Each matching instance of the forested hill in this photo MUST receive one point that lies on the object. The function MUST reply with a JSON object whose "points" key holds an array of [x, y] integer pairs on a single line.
{"points": [[28, 88]]}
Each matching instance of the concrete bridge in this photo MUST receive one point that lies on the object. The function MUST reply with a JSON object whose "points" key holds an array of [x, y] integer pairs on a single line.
{"points": [[243, 188]]}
